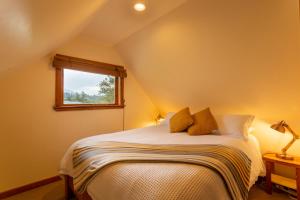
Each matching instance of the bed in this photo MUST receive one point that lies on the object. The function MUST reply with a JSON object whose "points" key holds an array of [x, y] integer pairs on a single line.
{"points": [[160, 180]]}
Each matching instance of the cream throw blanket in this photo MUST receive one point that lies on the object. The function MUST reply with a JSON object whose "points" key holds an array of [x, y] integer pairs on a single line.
{"points": [[230, 163]]}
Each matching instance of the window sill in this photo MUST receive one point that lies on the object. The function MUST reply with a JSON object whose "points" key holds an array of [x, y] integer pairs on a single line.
{"points": [[86, 107]]}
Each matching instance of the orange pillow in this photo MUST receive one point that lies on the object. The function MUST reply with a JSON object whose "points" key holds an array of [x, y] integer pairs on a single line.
{"points": [[181, 120], [204, 123]]}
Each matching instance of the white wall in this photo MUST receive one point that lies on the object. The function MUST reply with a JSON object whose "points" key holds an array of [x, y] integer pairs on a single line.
{"points": [[234, 56], [34, 137], [30, 28]]}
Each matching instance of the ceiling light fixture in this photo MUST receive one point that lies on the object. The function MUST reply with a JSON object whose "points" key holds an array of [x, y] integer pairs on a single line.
{"points": [[139, 6]]}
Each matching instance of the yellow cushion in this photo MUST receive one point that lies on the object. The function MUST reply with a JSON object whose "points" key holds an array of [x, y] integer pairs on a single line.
{"points": [[181, 121], [204, 123]]}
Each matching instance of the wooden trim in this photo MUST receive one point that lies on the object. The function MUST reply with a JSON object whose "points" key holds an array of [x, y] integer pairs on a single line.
{"points": [[61, 62], [27, 187], [59, 85], [117, 91], [87, 107], [122, 93]]}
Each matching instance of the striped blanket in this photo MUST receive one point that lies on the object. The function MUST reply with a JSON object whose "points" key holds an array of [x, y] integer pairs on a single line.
{"points": [[231, 164]]}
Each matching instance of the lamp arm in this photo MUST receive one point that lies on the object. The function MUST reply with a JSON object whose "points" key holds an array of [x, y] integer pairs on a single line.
{"points": [[292, 132], [284, 150], [295, 137]]}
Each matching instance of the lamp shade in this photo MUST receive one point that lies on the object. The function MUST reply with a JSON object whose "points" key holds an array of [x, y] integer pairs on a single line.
{"points": [[280, 126]]}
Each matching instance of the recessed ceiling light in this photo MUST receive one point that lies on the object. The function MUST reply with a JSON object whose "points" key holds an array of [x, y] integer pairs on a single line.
{"points": [[139, 6]]}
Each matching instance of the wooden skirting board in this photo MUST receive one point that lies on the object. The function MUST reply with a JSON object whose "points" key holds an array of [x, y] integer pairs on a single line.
{"points": [[29, 186]]}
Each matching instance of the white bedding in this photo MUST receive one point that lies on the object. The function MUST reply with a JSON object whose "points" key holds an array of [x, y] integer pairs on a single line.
{"points": [[160, 135]]}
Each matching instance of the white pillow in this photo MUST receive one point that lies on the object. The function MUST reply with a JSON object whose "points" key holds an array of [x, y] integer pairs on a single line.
{"points": [[168, 116], [234, 125]]}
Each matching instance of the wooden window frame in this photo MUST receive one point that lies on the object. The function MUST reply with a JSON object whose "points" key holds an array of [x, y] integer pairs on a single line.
{"points": [[61, 62]]}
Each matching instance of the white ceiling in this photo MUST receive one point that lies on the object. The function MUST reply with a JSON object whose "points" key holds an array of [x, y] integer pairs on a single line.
{"points": [[117, 20], [33, 28]]}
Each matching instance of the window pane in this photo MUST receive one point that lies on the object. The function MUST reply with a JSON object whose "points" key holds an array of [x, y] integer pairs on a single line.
{"points": [[88, 88]]}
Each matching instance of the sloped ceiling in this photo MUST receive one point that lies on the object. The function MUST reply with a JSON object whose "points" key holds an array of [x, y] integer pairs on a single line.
{"points": [[32, 28], [118, 20], [234, 56]]}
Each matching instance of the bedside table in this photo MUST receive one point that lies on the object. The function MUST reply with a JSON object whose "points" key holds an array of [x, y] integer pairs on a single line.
{"points": [[271, 160]]}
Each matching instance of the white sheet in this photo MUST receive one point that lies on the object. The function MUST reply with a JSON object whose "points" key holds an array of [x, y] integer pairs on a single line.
{"points": [[160, 135]]}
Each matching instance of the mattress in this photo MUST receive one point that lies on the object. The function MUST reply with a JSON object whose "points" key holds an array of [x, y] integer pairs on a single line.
{"points": [[162, 180]]}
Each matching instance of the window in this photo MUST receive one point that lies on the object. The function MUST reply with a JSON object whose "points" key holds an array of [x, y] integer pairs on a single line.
{"points": [[84, 84], [88, 88]]}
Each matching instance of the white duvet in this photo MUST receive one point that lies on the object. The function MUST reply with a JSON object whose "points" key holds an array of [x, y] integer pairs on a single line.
{"points": [[161, 135]]}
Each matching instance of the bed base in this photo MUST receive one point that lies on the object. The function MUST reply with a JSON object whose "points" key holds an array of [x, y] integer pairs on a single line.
{"points": [[70, 192]]}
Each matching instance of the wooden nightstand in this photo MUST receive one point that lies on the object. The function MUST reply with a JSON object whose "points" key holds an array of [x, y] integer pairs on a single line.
{"points": [[271, 160]]}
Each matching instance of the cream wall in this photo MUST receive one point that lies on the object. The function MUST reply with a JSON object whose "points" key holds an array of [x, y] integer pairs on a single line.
{"points": [[234, 56], [30, 28], [34, 136]]}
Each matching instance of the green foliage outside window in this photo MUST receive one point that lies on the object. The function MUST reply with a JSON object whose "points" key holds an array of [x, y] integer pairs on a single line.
{"points": [[106, 94]]}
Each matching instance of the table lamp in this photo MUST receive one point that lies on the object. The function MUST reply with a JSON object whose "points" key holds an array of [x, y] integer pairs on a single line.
{"points": [[281, 127], [158, 119]]}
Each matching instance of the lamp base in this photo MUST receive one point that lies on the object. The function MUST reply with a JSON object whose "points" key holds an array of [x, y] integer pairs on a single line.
{"points": [[284, 156]]}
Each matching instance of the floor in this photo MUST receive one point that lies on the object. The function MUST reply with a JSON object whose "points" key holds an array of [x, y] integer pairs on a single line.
{"points": [[55, 191]]}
